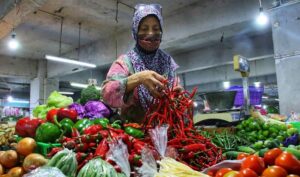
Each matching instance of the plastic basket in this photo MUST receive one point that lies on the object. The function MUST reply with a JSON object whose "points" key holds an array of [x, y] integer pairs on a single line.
{"points": [[255, 95], [45, 148]]}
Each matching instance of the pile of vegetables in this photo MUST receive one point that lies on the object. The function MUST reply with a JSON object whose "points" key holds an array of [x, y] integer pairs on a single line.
{"points": [[15, 163], [89, 94], [176, 110], [275, 163]]}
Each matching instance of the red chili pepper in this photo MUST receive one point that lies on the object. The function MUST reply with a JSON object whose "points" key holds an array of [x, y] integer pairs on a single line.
{"points": [[92, 145], [75, 133], [89, 157], [69, 144], [81, 147], [194, 147], [117, 168], [26, 127], [54, 151], [138, 146], [92, 130], [80, 156], [67, 113], [102, 149], [104, 133]]}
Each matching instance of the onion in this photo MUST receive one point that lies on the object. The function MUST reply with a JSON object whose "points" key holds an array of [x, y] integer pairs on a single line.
{"points": [[9, 158], [16, 172], [1, 170], [26, 146], [33, 161]]}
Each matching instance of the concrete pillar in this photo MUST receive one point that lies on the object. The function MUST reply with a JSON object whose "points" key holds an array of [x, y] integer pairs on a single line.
{"points": [[286, 31]]}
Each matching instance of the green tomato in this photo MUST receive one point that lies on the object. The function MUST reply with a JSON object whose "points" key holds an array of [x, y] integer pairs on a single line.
{"points": [[265, 126], [280, 138], [258, 145], [266, 133]]}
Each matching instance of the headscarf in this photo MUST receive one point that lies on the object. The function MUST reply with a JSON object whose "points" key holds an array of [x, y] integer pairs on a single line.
{"points": [[159, 61]]}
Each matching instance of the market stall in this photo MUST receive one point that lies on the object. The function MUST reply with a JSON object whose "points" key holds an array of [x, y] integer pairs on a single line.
{"points": [[78, 139]]}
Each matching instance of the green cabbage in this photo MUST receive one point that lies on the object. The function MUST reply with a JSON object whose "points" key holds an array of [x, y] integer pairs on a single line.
{"points": [[58, 100]]}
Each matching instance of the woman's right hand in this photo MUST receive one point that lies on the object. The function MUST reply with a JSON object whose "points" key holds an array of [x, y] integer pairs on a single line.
{"points": [[152, 81]]}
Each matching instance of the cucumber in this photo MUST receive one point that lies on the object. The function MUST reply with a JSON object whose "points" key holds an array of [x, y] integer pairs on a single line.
{"points": [[231, 154], [246, 149], [293, 151], [262, 152]]}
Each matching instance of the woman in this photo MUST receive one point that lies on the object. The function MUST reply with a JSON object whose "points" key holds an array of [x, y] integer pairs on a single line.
{"points": [[136, 77]]}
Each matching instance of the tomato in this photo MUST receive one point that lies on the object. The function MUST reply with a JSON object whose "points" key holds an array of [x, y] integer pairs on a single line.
{"points": [[247, 172], [233, 174], [221, 172], [210, 173], [289, 162], [270, 156], [255, 163], [292, 175], [242, 156], [274, 171]]}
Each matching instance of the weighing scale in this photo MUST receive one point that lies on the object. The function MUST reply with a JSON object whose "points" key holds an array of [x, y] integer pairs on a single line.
{"points": [[228, 116]]}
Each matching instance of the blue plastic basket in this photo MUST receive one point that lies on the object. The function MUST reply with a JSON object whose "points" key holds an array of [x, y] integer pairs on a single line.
{"points": [[255, 95]]}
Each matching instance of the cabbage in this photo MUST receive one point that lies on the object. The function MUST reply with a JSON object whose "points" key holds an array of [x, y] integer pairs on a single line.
{"points": [[78, 108], [41, 111], [58, 100], [96, 109]]}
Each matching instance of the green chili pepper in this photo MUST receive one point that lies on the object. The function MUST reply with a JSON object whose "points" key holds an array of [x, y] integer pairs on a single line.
{"points": [[116, 124], [101, 121], [66, 124], [134, 132], [82, 124]]}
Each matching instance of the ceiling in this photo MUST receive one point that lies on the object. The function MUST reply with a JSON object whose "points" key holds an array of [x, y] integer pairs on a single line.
{"points": [[39, 32]]}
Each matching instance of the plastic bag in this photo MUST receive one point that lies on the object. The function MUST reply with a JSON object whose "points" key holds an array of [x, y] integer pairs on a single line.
{"points": [[66, 161], [97, 168], [45, 171], [159, 136], [149, 167], [233, 164], [118, 152]]}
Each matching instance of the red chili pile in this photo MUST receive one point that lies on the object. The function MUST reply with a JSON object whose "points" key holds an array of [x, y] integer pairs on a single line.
{"points": [[94, 142], [176, 110]]}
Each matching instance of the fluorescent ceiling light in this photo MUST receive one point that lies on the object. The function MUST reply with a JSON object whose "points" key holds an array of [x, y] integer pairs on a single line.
{"points": [[66, 60], [67, 93], [262, 19], [226, 84], [195, 104], [79, 85], [265, 97], [10, 98], [19, 101], [13, 44], [257, 84]]}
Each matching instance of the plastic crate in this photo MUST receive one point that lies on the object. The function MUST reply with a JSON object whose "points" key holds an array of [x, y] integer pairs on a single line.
{"points": [[255, 95], [45, 148]]}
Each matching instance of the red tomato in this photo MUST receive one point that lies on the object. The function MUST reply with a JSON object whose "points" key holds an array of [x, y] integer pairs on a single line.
{"points": [[289, 162], [291, 175], [270, 156], [242, 156], [233, 174], [247, 172], [255, 163], [210, 173], [221, 172], [274, 171]]}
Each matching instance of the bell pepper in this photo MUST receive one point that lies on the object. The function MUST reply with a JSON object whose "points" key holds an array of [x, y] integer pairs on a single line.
{"points": [[92, 130], [47, 133], [116, 124], [101, 121], [26, 127], [83, 124], [134, 132], [66, 125], [67, 113], [52, 115]]}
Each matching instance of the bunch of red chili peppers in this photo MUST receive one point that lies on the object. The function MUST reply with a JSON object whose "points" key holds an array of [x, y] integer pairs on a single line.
{"points": [[176, 110], [94, 142]]}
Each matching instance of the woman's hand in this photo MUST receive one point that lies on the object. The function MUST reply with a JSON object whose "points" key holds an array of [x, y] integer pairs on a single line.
{"points": [[152, 81]]}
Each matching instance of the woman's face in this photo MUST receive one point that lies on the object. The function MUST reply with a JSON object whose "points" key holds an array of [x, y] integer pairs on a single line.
{"points": [[149, 34], [150, 25]]}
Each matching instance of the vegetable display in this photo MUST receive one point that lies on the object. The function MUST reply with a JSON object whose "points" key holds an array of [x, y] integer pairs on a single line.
{"points": [[26, 127], [89, 94]]}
